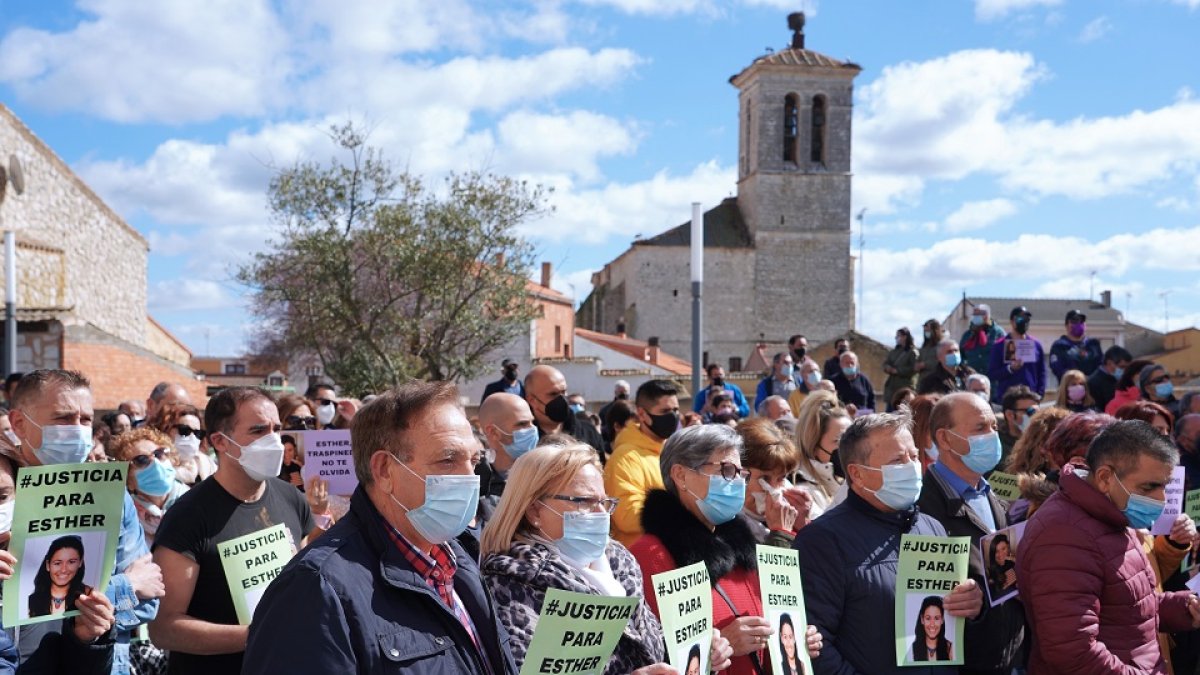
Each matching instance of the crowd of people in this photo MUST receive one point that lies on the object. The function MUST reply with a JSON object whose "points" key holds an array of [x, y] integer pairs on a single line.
{"points": [[442, 557]]}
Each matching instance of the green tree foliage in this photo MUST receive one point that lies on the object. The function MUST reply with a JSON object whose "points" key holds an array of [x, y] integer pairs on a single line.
{"points": [[385, 280]]}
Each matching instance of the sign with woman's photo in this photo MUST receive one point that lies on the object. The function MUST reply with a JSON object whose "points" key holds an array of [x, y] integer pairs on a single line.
{"points": [[783, 603], [64, 536], [685, 610], [929, 569], [999, 551], [251, 563]]}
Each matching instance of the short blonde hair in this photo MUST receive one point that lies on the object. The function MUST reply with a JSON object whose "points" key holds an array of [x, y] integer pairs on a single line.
{"points": [[542, 471]]}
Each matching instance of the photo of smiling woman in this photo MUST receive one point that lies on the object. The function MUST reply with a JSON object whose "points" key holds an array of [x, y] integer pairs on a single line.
{"points": [[929, 634], [59, 580], [790, 663]]}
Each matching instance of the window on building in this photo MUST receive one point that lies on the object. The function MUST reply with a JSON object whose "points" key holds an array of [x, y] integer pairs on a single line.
{"points": [[235, 369], [558, 343], [818, 130], [275, 381], [735, 364], [791, 126]]}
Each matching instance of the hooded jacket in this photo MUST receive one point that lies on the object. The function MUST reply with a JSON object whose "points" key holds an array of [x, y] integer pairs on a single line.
{"points": [[1089, 590], [630, 473], [519, 579], [675, 538]]}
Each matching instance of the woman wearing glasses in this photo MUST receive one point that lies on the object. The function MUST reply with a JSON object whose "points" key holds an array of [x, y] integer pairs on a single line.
{"points": [[550, 530], [181, 422], [695, 520], [152, 473]]}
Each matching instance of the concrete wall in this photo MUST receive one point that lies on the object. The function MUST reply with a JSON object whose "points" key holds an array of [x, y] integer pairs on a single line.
{"points": [[119, 370], [103, 276], [161, 342]]}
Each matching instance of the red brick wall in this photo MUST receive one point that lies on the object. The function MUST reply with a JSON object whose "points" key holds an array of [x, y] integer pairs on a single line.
{"points": [[555, 314], [117, 374]]}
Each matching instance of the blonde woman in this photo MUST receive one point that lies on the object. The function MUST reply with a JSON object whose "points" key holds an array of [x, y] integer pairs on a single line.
{"points": [[1073, 394], [822, 422], [550, 530]]}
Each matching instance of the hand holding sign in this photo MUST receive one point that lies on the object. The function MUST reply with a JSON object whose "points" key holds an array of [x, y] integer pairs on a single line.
{"points": [[1183, 530], [7, 564], [720, 657], [747, 634], [96, 616], [813, 642], [966, 600]]}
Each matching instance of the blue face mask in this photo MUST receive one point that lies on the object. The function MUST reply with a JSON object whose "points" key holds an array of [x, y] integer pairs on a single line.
{"points": [[576, 408], [1164, 389], [724, 500], [585, 536], [901, 485], [450, 504], [63, 443], [155, 480], [812, 379], [953, 359], [523, 440], [787, 370], [977, 320], [1118, 373], [1141, 511], [984, 452], [850, 371]]}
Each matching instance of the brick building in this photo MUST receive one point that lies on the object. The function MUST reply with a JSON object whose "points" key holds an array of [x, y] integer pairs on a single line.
{"points": [[81, 282], [777, 256]]}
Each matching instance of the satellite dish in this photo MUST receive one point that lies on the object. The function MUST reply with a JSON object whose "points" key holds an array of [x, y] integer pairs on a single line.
{"points": [[15, 174]]}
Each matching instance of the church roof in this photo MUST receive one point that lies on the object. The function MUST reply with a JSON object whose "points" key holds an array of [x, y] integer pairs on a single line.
{"points": [[798, 57], [724, 227], [1048, 308]]}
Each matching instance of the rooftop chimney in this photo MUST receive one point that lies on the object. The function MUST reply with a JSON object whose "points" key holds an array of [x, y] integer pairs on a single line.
{"points": [[652, 350], [545, 275], [796, 25], [1106, 298], [621, 327]]}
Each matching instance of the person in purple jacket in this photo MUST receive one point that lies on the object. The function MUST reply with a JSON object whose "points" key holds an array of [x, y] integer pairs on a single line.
{"points": [[1006, 369]]}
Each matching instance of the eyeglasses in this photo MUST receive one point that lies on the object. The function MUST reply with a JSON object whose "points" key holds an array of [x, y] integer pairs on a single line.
{"points": [[596, 504], [1159, 380], [143, 461], [185, 430], [729, 471], [296, 422], [1031, 410]]}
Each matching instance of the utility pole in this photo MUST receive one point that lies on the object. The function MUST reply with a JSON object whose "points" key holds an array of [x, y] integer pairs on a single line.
{"points": [[1166, 312], [697, 285], [1092, 287]]}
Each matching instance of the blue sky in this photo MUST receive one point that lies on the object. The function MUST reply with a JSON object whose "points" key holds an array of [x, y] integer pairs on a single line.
{"points": [[1001, 147]]}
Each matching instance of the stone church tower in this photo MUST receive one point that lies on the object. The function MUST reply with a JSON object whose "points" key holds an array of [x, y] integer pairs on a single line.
{"points": [[777, 258]]}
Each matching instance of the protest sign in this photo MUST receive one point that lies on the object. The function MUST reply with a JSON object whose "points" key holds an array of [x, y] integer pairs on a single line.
{"points": [[1174, 498], [783, 602], [327, 454], [66, 523], [1026, 350], [999, 553], [576, 633], [1191, 505], [685, 609], [929, 569], [251, 562], [1005, 485]]}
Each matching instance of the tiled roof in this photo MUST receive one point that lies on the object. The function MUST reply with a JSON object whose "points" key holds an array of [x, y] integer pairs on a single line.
{"points": [[723, 228], [798, 57], [637, 349]]}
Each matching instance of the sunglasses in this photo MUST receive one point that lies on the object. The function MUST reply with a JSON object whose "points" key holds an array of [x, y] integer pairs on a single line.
{"points": [[185, 430], [297, 423], [326, 401], [143, 461]]}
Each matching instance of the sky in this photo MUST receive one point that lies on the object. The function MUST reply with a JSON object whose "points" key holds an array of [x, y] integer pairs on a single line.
{"points": [[1017, 148]]}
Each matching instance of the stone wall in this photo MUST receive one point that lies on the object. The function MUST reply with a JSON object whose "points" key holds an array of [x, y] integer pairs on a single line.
{"points": [[104, 274], [39, 345], [160, 341]]}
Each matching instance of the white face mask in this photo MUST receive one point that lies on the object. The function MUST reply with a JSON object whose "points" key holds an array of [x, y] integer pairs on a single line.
{"points": [[6, 515], [188, 446], [326, 413], [262, 459]]}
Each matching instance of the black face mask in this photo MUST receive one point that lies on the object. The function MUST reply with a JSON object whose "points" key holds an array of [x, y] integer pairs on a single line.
{"points": [[510, 374], [718, 382], [623, 396], [558, 410], [837, 465], [843, 349], [798, 354], [664, 425], [1022, 325]]}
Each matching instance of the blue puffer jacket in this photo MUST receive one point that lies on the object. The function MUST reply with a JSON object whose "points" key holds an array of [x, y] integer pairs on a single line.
{"points": [[848, 560], [351, 603]]}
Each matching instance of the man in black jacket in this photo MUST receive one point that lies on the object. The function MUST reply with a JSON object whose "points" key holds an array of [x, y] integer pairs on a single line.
{"points": [[1102, 384], [508, 383], [546, 394], [956, 494]]}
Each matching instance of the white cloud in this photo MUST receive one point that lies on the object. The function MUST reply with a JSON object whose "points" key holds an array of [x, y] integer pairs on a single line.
{"points": [[990, 10], [712, 7], [1190, 4], [570, 143], [188, 295], [134, 61], [1096, 29], [978, 215]]}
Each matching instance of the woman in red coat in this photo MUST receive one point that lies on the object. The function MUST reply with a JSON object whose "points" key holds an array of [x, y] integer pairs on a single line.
{"points": [[695, 520]]}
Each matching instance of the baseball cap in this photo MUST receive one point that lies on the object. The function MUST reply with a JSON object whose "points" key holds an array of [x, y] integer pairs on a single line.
{"points": [[1018, 310], [1074, 315]]}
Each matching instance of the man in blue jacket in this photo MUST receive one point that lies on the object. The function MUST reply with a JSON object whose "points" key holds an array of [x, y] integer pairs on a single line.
{"points": [[388, 588], [849, 556], [716, 377]]}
